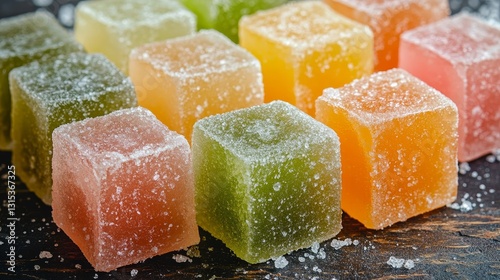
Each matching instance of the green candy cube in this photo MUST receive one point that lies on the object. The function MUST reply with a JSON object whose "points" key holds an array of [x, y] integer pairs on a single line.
{"points": [[225, 15], [267, 179], [46, 95], [24, 39]]}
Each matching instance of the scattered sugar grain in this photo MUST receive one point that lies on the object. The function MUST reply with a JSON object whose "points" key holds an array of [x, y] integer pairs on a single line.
{"points": [[280, 262], [409, 264], [37, 267], [302, 259], [315, 247], [45, 255], [317, 269], [78, 266], [321, 254], [134, 272], [337, 244], [181, 258], [463, 168], [396, 262], [491, 158]]}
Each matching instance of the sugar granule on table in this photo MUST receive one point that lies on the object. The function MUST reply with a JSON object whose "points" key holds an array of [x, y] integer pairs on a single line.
{"points": [[280, 262], [45, 255], [399, 263]]}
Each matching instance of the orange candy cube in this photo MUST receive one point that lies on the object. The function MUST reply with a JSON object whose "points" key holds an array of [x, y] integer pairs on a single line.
{"points": [[186, 79], [388, 19], [305, 47], [398, 146]]}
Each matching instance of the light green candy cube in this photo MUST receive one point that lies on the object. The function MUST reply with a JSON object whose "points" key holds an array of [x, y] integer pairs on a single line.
{"points": [[267, 179], [224, 15], [24, 39], [115, 27], [46, 95]]}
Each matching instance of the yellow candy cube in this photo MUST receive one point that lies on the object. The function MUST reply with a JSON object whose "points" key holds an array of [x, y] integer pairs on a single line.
{"points": [[115, 27], [305, 47]]}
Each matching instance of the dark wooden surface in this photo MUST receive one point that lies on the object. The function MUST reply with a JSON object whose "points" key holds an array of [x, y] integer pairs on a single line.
{"points": [[444, 244]]}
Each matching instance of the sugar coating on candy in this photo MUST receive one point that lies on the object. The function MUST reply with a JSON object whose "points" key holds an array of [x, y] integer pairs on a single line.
{"points": [[57, 91], [305, 47], [267, 180], [23, 39], [123, 188], [223, 15], [459, 56], [115, 27], [399, 146], [389, 19], [185, 79]]}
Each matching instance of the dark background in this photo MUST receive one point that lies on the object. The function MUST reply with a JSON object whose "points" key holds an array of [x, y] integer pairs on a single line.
{"points": [[444, 244], [63, 8]]}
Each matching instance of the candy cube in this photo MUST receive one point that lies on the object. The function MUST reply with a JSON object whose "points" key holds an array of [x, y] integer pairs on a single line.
{"points": [[399, 146], [267, 180], [115, 27], [63, 90], [185, 79], [24, 39], [123, 188], [460, 57], [305, 47], [224, 15], [388, 19]]}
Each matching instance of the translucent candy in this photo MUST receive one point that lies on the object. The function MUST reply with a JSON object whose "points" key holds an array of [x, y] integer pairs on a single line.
{"points": [[224, 15], [185, 79], [399, 146], [115, 27], [58, 91], [24, 39], [460, 57], [123, 188], [388, 19], [305, 47], [267, 180]]}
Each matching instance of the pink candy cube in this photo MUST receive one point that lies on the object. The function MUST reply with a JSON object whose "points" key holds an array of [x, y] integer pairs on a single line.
{"points": [[123, 188], [460, 56]]}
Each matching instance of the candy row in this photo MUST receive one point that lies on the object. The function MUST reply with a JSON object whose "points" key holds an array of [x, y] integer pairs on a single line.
{"points": [[265, 180]]}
